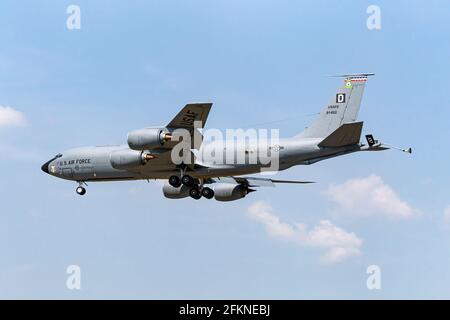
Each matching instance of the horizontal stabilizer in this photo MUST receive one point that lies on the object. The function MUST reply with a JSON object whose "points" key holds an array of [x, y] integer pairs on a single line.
{"points": [[345, 135]]}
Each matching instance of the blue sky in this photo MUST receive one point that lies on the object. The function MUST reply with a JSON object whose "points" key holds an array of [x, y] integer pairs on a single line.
{"points": [[136, 63]]}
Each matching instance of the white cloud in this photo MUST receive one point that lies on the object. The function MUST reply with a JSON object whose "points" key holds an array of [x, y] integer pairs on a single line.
{"points": [[10, 117], [337, 243], [369, 196], [447, 215], [262, 212]]}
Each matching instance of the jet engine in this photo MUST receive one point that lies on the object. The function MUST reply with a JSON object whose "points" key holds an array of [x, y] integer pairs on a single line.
{"points": [[126, 159], [230, 192], [148, 138], [175, 193]]}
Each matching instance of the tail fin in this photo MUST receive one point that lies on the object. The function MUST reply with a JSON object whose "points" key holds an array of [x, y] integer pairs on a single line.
{"points": [[343, 107]]}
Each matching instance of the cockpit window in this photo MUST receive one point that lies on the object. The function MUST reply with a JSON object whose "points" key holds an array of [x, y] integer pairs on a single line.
{"points": [[59, 155]]}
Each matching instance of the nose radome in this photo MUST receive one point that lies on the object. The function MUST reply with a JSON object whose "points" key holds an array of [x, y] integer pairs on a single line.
{"points": [[45, 166]]}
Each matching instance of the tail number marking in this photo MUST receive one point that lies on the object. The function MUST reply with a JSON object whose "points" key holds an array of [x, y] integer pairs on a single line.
{"points": [[340, 98]]}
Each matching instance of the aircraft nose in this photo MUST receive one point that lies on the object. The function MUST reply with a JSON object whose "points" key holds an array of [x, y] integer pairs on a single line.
{"points": [[45, 166]]}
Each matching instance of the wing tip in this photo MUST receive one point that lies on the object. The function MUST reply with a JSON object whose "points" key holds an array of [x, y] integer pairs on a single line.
{"points": [[199, 104]]}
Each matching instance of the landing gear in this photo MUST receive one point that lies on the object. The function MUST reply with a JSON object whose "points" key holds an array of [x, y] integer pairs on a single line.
{"points": [[195, 193], [187, 180], [208, 193], [196, 186], [175, 181], [81, 191]]}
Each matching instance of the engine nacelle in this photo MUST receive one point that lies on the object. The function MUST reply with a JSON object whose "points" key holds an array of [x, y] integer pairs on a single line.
{"points": [[149, 138], [175, 193], [229, 191], [127, 159]]}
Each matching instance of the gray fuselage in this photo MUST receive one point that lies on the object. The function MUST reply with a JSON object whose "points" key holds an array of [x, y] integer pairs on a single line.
{"points": [[94, 163]]}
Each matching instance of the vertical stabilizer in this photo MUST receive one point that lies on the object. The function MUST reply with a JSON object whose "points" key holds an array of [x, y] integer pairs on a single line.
{"points": [[342, 108]]}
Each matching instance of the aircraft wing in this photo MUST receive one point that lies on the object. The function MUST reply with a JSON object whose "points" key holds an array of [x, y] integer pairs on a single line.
{"points": [[189, 114], [186, 118], [258, 182]]}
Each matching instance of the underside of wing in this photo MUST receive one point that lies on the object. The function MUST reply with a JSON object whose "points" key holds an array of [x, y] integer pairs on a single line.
{"points": [[265, 182], [191, 118], [191, 113]]}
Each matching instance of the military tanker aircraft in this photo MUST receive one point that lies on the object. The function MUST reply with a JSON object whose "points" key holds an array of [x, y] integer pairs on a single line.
{"points": [[149, 152]]}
